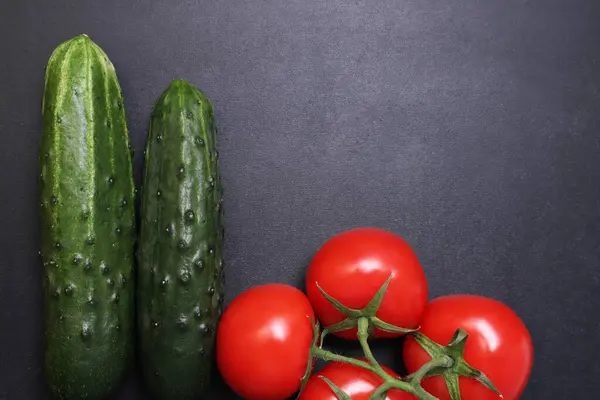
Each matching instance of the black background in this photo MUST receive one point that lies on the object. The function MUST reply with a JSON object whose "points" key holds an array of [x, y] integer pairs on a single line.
{"points": [[469, 127]]}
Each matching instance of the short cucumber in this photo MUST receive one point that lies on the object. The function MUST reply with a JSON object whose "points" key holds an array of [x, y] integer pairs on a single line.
{"points": [[87, 215], [180, 275]]}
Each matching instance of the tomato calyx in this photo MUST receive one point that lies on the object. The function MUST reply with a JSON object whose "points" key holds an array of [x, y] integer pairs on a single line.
{"points": [[380, 393], [413, 386], [368, 313], [458, 367], [446, 361], [341, 395], [415, 381], [390, 382]]}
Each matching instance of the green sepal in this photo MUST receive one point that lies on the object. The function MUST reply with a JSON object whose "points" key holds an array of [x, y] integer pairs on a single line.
{"points": [[369, 312], [349, 312], [384, 326], [455, 350], [375, 303], [452, 384], [341, 395]]}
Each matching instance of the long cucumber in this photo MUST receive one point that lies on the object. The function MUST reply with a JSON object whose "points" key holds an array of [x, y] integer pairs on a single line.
{"points": [[87, 217], [180, 276]]}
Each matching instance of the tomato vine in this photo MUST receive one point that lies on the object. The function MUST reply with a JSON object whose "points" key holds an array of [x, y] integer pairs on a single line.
{"points": [[447, 361]]}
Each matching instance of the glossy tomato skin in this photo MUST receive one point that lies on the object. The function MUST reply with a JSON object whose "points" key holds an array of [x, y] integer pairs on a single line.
{"points": [[263, 342], [353, 265], [499, 345], [357, 382]]}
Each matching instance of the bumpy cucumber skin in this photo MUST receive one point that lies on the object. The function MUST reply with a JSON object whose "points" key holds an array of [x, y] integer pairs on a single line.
{"points": [[180, 271], [87, 215]]}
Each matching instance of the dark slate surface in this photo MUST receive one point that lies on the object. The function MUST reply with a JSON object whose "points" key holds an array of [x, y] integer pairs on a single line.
{"points": [[469, 127]]}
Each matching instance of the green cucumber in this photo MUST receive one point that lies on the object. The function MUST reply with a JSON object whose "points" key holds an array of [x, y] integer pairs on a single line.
{"points": [[180, 273], [87, 218]]}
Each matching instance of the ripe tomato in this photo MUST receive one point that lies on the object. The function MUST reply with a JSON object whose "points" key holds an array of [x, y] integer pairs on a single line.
{"points": [[264, 340], [353, 265], [499, 345], [357, 382]]}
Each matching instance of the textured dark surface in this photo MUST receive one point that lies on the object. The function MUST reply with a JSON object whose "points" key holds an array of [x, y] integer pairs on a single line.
{"points": [[469, 127]]}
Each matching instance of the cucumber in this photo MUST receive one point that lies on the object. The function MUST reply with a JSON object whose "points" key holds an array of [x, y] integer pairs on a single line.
{"points": [[87, 221], [180, 272]]}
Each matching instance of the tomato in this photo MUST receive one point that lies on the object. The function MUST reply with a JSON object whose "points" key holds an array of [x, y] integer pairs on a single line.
{"points": [[357, 382], [353, 265], [499, 345], [264, 340]]}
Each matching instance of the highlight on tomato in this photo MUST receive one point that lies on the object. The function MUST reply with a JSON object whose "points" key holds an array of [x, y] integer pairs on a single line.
{"points": [[358, 383], [498, 344], [264, 341], [352, 266]]}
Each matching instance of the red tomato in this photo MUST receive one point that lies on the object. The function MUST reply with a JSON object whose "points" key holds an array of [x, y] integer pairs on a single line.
{"points": [[353, 265], [263, 342], [499, 345], [357, 382]]}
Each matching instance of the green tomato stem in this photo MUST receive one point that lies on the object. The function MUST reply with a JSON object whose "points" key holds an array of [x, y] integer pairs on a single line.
{"points": [[329, 356], [389, 380], [381, 391], [421, 373], [363, 336], [408, 377], [365, 319], [410, 384], [443, 361]]}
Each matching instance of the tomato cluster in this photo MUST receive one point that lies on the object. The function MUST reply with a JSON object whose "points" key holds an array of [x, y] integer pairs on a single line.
{"points": [[266, 338]]}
